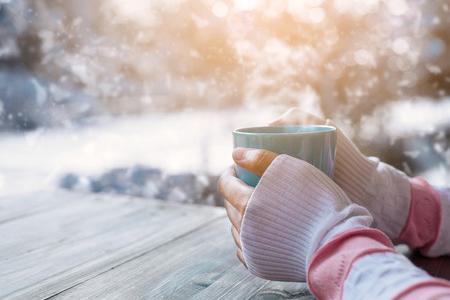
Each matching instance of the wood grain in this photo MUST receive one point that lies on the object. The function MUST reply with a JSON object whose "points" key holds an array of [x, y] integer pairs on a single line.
{"points": [[65, 245], [199, 265], [45, 253]]}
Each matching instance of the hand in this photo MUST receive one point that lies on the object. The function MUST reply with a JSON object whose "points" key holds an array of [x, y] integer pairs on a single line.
{"points": [[295, 116], [237, 193], [294, 210], [380, 188]]}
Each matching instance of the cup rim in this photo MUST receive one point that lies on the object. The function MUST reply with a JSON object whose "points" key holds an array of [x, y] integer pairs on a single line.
{"points": [[326, 128]]}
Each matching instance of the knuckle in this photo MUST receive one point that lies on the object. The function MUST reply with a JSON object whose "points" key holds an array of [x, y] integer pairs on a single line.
{"points": [[244, 195], [238, 253], [227, 206], [242, 206], [260, 158], [261, 161], [221, 184]]}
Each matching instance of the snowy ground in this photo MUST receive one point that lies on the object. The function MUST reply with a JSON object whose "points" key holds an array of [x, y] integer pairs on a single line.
{"points": [[195, 141], [182, 142]]}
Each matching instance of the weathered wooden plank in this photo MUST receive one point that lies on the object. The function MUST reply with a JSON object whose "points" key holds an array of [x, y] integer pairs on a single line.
{"points": [[56, 225], [22, 205], [199, 265], [86, 236], [74, 217], [104, 247]]}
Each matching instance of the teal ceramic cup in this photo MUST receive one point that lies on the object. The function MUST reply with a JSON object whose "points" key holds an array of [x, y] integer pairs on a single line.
{"points": [[315, 144]]}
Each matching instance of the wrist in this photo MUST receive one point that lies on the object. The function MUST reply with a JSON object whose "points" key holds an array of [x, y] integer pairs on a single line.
{"points": [[332, 263], [353, 172], [389, 200], [382, 189]]}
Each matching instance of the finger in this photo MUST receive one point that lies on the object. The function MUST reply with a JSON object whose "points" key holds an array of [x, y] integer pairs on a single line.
{"points": [[235, 191], [254, 160], [240, 256], [278, 122], [295, 116], [288, 118], [236, 237], [234, 216]]}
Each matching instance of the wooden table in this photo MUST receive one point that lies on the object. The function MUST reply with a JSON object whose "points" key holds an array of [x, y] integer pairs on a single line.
{"points": [[63, 245], [73, 246]]}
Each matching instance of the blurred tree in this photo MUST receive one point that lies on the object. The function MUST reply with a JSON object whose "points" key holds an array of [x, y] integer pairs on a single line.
{"points": [[29, 97], [435, 63], [187, 54], [355, 58]]}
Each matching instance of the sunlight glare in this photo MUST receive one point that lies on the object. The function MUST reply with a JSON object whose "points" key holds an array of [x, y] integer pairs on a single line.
{"points": [[220, 9], [247, 4]]}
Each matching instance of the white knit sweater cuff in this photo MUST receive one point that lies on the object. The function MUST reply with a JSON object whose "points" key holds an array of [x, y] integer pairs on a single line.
{"points": [[382, 189], [389, 200], [353, 170], [381, 276], [294, 209]]}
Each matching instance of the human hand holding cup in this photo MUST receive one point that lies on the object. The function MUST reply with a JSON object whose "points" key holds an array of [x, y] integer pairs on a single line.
{"points": [[315, 144]]}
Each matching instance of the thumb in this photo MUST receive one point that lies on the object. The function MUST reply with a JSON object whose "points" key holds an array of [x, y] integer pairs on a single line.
{"points": [[254, 160]]}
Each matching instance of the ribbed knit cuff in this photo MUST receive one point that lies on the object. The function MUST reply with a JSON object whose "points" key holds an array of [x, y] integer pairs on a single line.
{"points": [[424, 217], [353, 170], [362, 264], [389, 201], [293, 209], [382, 189]]}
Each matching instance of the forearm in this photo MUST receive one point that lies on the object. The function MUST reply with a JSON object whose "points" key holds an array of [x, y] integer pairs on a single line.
{"points": [[362, 264], [299, 225], [407, 210]]}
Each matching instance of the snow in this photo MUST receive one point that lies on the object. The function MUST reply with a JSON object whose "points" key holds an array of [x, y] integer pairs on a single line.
{"points": [[193, 141], [364, 57], [250, 4], [422, 115], [198, 142], [400, 46]]}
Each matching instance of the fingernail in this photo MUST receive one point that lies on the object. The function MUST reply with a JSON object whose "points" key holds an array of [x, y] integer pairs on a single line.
{"points": [[239, 154]]}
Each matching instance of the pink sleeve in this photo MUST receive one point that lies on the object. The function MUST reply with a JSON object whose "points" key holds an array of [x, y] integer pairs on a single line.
{"points": [[331, 264], [428, 220], [362, 263], [424, 218]]}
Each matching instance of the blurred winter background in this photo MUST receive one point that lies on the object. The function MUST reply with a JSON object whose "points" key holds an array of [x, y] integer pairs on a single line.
{"points": [[139, 97]]}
